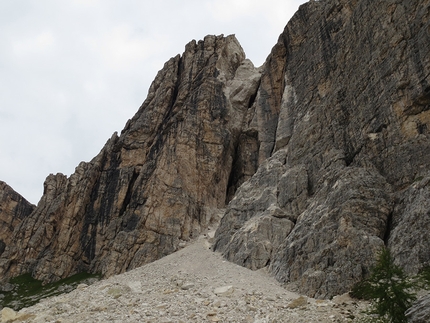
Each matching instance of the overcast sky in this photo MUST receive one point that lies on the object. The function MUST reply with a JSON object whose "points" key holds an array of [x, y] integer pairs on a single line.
{"points": [[72, 72]]}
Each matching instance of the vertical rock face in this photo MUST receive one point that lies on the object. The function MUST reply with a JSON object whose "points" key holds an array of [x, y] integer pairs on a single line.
{"points": [[158, 183], [13, 210], [350, 171]]}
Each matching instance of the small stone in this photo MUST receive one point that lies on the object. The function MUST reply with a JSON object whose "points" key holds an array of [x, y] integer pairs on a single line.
{"points": [[7, 287], [241, 303], [342, 299], [187, 286], [81, 286], [224, 291], [135, 286], [211, 234], [321, 303], [298, 302], [115, 292], [217, 303]]}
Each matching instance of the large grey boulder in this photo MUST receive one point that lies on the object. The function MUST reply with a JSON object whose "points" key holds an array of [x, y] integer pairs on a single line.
{"points": [[420, 311]]}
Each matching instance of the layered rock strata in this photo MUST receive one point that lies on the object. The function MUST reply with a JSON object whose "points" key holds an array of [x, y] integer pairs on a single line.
{"points": [[13, 210], [350, 172], [160, 182]]}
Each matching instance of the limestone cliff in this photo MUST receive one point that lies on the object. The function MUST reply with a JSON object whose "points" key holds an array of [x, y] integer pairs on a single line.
{"points": [[13, 210], [159, 183], [322, 155], [351, 167]]}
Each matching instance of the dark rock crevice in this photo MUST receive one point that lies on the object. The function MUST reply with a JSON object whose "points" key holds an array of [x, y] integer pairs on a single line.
{"points": [[388, 229], [129, 192]]}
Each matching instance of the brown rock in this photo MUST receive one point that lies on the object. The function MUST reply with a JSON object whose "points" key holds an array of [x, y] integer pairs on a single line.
{"points": [[13, 209], [159, 183], [298, 302]]}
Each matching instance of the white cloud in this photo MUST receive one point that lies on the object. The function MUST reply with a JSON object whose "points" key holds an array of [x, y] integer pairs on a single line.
{"points": [[122, 48], [86, 3], [40, 44], [269, 12], [228, 10]]}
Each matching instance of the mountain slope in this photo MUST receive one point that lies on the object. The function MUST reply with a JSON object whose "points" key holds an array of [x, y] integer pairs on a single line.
{"points": [[191, 285]]}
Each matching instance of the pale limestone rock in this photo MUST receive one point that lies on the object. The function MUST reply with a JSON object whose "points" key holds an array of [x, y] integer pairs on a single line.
{"points": [[285, 125], [187, 285], [8, 315], [224, 291], [342, 299], [135, 286]]}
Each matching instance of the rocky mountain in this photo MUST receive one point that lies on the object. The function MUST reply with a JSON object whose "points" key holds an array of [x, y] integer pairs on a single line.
{"points": [[319, 158]]}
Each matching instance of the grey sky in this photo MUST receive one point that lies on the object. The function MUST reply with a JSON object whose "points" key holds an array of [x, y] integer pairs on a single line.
{"points": [[73, 72]]}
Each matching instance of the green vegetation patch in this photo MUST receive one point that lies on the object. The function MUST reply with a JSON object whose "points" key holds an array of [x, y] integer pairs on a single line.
{"points": [[24, 290], [390, 291]]}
